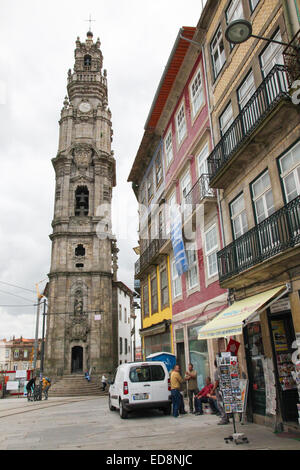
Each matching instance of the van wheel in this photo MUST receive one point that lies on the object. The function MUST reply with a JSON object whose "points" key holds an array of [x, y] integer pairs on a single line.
{"points": [[167, 410], [112, 408], [123, 412]]}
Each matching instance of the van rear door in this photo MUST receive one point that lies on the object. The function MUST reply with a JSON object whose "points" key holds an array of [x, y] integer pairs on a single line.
{"points": [[140, 385], [148, 382], [159, 381]]}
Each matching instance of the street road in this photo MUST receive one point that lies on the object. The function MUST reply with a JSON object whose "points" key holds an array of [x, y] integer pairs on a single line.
{"points": [[87, 423]]}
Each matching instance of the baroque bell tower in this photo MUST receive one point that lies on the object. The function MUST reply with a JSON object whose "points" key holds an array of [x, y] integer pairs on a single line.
{"points": [[81, 323]]}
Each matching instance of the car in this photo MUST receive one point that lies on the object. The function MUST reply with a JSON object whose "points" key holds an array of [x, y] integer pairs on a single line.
{"points": [[140, 385]]}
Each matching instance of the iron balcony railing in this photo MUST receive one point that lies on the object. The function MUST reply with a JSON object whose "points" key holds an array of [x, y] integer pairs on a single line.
{"points": [[148, 254], [277, 233], [199, 191], [272, 89]]}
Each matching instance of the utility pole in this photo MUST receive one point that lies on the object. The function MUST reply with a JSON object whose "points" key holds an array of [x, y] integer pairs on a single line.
{"points": [[42, 348]]}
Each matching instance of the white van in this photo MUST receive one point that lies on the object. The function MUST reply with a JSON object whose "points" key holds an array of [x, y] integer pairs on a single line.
{"points": [[140, 385]]}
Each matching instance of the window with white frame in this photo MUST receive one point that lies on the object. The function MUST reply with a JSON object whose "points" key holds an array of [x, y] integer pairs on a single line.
{"points": [[145, 300], [125, 315], [169, 148], [211, 248], [263, 197], [196, 92], [202, 160], [238, 217], [272, 55], [25, 353], [6, 353], [176, 281], [246, 90], [181, 124], [154, 299], [290, 172], [192, 273], [164, 288], [16, 354], [185, 184], [217, 52], [234, 12], [226, 118], [170, 203], [158, 169], [253, 4], [150, 185]]}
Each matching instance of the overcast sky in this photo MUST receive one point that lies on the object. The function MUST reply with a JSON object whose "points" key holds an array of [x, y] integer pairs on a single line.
{"points": [[37, 49]]}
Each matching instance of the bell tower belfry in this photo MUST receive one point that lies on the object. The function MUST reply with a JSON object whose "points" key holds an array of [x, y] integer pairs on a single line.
{"points": [[81, 323]]}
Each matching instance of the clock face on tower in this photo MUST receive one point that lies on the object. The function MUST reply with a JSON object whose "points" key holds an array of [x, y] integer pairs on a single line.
{"points": [[84, 107]]}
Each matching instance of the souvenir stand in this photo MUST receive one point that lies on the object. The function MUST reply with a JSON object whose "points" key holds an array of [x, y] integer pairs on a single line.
{"points": [[229, 383]]}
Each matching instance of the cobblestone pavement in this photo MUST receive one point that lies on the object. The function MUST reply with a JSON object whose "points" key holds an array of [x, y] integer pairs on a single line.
{"points": [[87, 423]]}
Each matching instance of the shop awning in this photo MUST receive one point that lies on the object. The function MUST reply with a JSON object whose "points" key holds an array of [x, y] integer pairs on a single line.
{"points": [[232, 320], [155, 329]]}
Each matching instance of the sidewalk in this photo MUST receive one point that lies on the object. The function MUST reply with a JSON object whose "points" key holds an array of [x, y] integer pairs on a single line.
{"points": [[87, 423]]}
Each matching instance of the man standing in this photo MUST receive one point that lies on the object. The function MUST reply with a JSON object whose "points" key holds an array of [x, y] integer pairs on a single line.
{"points": [[192, 386], [176, 381], [205, 396]]}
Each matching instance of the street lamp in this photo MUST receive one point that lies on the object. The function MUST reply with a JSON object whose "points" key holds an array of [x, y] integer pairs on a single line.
{"points": [[239, 31]]}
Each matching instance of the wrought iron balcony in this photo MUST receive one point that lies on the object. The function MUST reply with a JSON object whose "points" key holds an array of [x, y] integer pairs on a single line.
{"points": [[148, 255], [200, 191], [274, 235], [273, 88]]}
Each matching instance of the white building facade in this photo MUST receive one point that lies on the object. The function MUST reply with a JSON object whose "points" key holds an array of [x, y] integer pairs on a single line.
{"points": [[125, 301]]}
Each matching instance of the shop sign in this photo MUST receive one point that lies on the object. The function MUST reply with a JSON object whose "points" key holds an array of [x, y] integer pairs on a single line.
{"points": [[280, 306], [20, 374]]}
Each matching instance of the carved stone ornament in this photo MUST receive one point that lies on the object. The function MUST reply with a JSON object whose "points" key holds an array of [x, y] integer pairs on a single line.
{"points": [[82, 156], [78, 329]]}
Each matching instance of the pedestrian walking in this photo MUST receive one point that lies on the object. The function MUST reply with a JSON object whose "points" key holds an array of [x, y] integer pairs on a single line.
{"points": [[192, 385], [176, 381], [216, 390], [46, 384], [104, 382]]}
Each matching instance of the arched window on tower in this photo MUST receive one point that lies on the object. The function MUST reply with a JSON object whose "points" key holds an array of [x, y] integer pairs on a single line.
{"points": [[81, 201], [87, 61], [79, 250]]}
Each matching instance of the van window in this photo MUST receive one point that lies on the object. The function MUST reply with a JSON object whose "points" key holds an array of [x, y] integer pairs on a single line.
{"points": [[147, 373]]}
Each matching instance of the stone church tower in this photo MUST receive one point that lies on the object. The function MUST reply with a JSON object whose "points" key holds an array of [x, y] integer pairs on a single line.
{"points": [[81, 322]]}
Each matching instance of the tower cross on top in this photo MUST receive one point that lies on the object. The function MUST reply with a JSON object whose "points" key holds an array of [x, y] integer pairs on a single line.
{"points": [[90, 22]]}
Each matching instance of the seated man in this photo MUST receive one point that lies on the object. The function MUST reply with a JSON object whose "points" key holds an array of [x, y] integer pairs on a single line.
{"points": [[205, 396]]}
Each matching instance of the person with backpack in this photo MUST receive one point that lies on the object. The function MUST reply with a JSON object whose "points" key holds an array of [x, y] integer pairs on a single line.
{"points": [[45, 386]]}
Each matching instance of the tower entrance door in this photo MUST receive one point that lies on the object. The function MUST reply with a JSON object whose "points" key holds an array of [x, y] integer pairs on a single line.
{"points": [[77, 359]]}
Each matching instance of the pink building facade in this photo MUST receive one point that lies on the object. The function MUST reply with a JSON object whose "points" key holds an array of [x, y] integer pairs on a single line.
{"points": [[196, 294]]}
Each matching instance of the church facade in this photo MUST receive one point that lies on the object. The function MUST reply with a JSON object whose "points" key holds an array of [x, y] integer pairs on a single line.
{"points": [[82, 322]]}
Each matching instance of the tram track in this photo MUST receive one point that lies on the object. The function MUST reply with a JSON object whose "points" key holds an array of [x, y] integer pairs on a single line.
{"points": [[27, 408]]}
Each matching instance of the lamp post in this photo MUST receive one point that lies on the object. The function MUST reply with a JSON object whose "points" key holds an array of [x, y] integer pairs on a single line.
{"points": [[42, 348]]}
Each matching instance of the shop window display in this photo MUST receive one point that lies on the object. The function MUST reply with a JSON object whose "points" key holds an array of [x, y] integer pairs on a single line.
{"points": [[198, 355]]}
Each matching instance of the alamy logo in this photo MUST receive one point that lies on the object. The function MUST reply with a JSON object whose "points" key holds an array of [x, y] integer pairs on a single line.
{"points": [[295, 92]]}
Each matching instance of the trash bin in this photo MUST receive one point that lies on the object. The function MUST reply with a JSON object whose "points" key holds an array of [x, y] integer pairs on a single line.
{"points": [[166, 357]]}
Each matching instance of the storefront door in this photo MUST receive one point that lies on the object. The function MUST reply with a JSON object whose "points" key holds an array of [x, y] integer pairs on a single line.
{"points": [[180, 357], [283, 335], [255, 358]]}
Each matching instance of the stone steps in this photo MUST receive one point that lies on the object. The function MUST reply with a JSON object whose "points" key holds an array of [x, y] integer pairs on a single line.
{"points": [[76, 385]]}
